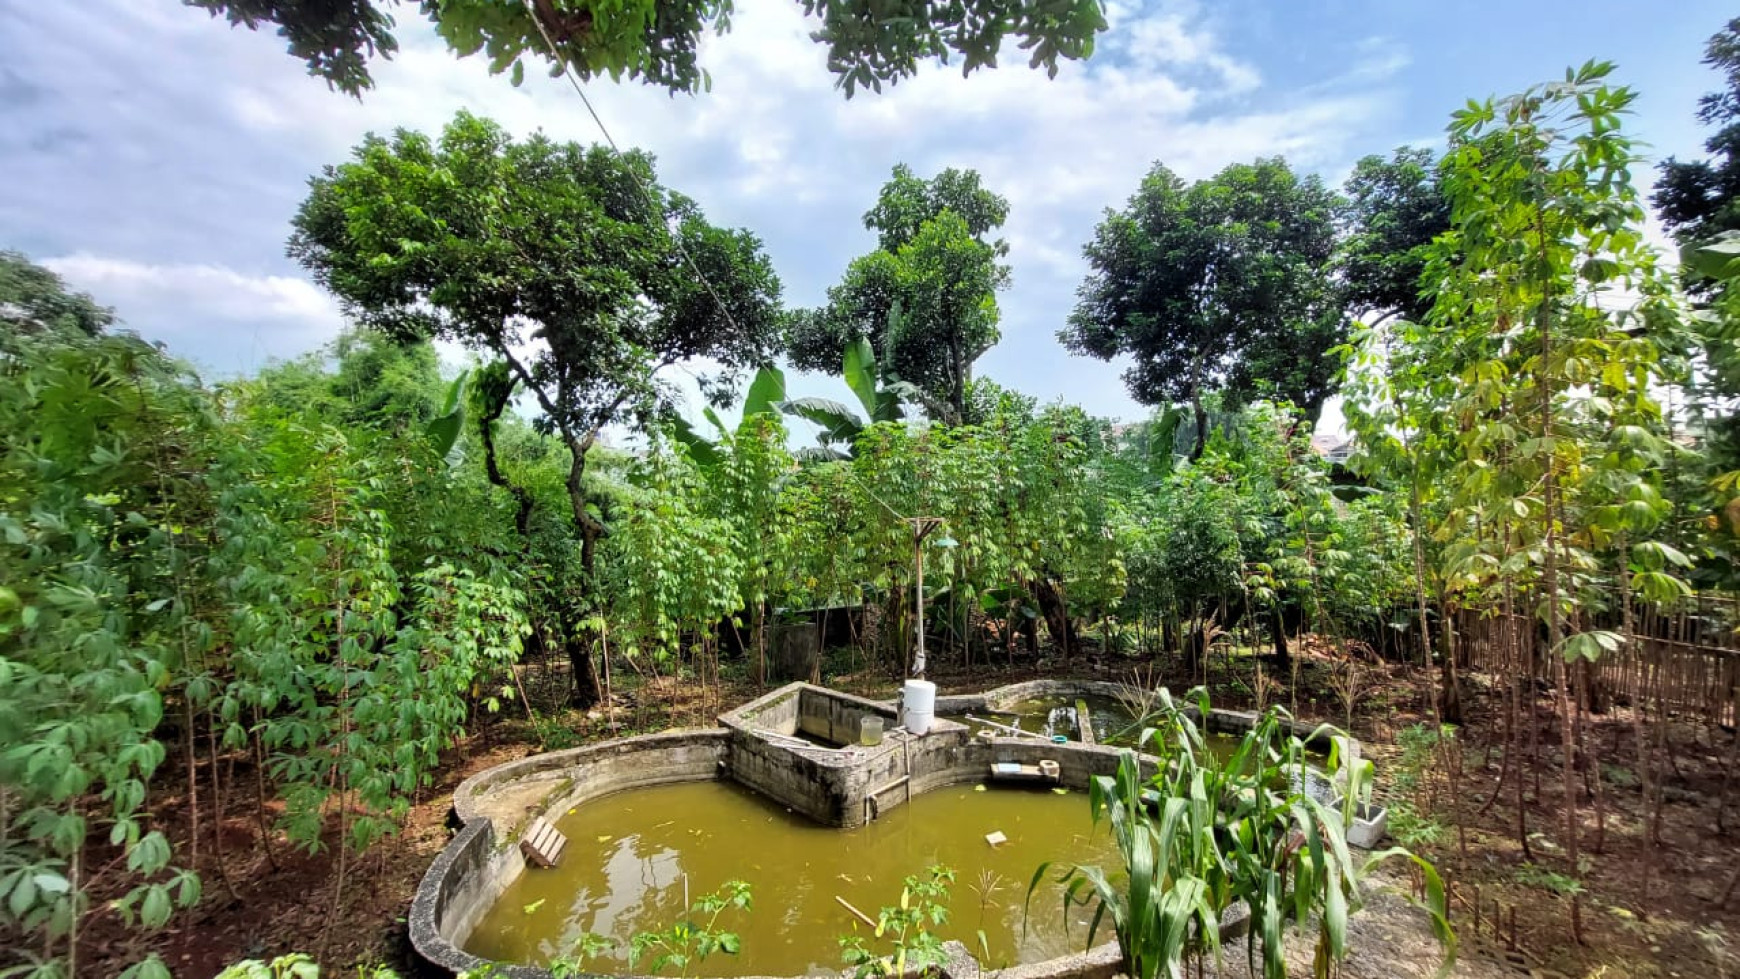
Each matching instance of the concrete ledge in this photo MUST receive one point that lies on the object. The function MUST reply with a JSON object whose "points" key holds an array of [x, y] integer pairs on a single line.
{"points": [[557, 767], [1219, 721], [481, 861]]}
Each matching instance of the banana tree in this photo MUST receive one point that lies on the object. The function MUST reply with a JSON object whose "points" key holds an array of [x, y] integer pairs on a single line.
{"points": [[443, 430], [766, 397], [883, 397]]}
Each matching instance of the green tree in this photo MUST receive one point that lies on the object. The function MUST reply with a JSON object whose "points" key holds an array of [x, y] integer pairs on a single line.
{"points": [[907, 201], [363, 378], [926, 299], [868, 43], [34, 299], [1218, 284], [568, 264], [1700, 199], [1394, 211]]}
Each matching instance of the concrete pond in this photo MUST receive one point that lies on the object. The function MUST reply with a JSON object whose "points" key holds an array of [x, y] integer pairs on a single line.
{"points": [[823, 803]]}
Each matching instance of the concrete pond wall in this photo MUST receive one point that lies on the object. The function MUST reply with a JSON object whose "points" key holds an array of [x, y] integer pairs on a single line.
{"points": [[768, 745]]}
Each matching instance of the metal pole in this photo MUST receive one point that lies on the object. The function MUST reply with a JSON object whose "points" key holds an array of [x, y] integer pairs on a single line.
{"points": [[918, 559]]}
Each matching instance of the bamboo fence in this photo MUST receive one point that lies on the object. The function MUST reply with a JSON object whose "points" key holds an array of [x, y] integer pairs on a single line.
{"points": [[1684, 661]]}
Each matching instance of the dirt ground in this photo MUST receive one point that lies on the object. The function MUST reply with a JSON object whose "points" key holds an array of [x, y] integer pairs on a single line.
{"points": [[1645, 910]]}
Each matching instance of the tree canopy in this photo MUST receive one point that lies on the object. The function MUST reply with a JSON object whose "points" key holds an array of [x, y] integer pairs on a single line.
{"points": [[869, 42], [548, 256], [364, 378], [34, 298], [1394, 211], [926, 299], [1699, 199], [1218, 284], [568, 266]]}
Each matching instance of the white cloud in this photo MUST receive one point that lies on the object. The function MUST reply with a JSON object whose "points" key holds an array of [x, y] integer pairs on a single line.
{"points": [[208, 313], [1175, 37], [206, 288], [220, 128]]}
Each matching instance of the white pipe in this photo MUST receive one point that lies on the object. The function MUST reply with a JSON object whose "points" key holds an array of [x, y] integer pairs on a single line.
{"points": [[1005, 727]]}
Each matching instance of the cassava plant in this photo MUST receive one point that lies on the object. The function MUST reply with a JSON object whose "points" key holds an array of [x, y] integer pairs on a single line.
{"points": [[686, 944], [908, 929]]}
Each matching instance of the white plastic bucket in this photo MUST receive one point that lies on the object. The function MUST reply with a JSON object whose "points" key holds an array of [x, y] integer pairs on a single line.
{"points": [[918, 721], [919, 695]]}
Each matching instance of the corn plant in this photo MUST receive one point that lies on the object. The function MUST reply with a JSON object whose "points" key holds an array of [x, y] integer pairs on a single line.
{"points": [[1202, 836]]}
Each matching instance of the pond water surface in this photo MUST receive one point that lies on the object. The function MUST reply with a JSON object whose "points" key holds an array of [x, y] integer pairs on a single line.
{"points": [[632, 856]]}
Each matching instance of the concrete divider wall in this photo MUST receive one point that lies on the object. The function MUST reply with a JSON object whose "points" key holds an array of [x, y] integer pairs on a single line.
{"points": [[830, 785], [795, 778], [1235, 722]]}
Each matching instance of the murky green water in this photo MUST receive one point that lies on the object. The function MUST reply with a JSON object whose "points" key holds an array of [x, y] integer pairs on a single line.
{"points": [[1112, 721], [630, 855]]}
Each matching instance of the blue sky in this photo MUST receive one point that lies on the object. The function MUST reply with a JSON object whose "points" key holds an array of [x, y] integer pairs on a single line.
{"points": [[154, 156]]}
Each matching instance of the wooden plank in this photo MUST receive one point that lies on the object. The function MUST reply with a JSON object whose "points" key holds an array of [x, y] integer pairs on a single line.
{"points": [[543, 844], [1011, 771]]}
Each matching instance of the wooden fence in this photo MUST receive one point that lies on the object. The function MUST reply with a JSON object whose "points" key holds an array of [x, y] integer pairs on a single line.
{"points": [[1686, 661]]}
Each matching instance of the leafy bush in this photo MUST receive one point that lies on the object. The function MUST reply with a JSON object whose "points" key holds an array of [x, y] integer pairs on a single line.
{"points": [[198, 568]]}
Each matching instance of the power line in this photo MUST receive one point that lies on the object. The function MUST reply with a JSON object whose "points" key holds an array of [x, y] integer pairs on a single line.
{"points": [[652, 202]]}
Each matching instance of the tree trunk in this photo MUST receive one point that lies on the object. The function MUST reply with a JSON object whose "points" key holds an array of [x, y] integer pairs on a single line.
{"points": [[760, 645], [492, 469], [1051, 605], [1201, 413], [1278, 634], [588, 690], [1195, 642], [588, 686], [1552, 508], [1449, 684], [958, 383]]}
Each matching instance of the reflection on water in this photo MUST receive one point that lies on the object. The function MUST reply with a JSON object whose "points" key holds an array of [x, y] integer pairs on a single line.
{"points": [[635, 860]]}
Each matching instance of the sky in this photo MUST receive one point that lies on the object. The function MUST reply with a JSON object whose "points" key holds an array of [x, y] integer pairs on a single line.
{"points": [[153, 156]]}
